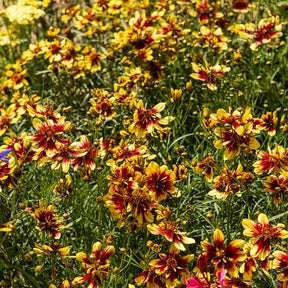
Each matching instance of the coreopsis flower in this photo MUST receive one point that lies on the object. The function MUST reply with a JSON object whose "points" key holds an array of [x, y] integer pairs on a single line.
{"points": [[264, 233], [54, 50], [48, 133], [268, 29], [180, 172], [160, 181], [278, 186], [272, 162], [48, 220], [197, 281], [47, 112], [280, 261], [25, 101], [62, 187], [96, 265], [71, 54], [224, 257], [120, 200], [53, 248], [207, 167], [171, 233], [70, 12], [150, 278], [171, 266], [210, 75], [8, 117], [61, 156], [176, 94], [8, 227], [240, 6], [171, 28], [103, 107], [234, 118], [17, 78], [123, 179], [53, 32], [248, 266], [269, 121], [145, 54], [141, 204], [211, 38], [243, 30], [205, 12], [230, 183], [6, 169], [147, 120], [126, 152], [34, 50], [87, 16], [92, 61], [21, 147], [87, 155], [65, 284], [232, 141]]}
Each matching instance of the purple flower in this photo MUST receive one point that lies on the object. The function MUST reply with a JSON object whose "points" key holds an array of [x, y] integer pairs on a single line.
{"points": [[3, 156]]}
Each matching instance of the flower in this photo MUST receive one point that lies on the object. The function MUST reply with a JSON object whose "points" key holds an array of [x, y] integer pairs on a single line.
{"points": [[232, 141], [280, 261], [268, 122], [277, 185], [160, 181], [210, 75], [224, 257], [7, 118], [150, 278], [96, 265], [273, 161], [61, 155], [171, 266], [146, 120], [261, 248], [48, 132], [87, 155], [208, 164], [171, 233], [228, 183], [48, 220], [265, 33], [53, 248], [8, 227], [212, 38], [240, 6]]}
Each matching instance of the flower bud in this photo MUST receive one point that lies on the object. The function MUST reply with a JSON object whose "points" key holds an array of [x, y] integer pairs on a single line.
{"points": [[39, 268]]}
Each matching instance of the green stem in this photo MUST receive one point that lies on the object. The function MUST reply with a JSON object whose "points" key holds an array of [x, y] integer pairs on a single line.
{"points": [[258, 12]]}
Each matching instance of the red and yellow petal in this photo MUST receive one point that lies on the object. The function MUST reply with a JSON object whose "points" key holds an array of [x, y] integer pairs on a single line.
{"points": [[218, 238], [82, 279], [251, 228], [82, 257], [107, 252]]}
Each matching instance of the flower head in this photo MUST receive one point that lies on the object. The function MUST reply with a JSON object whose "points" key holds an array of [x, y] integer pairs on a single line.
{"points": [[96, 265], [264, 233], [224, 257]]}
